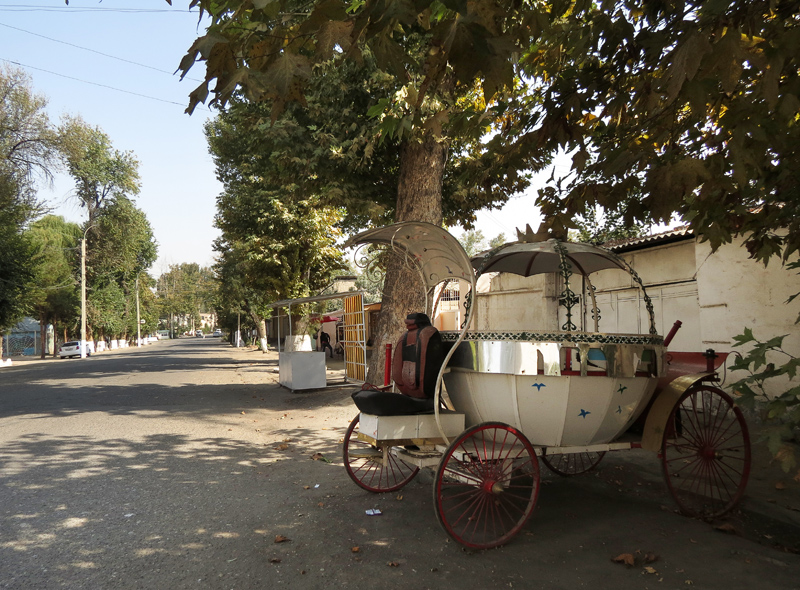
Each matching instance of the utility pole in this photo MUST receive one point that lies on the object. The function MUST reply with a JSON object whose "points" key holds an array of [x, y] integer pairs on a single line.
{"points": [[83, 293], [138, 321]]}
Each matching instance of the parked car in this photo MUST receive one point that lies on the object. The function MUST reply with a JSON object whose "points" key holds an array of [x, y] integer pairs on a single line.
{"points": [[70, 349], [199, 334], [217, 333]]}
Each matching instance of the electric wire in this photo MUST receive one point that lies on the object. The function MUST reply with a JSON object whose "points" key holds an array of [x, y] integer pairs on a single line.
{"points": [[22, 65], [122, 59], [97, 9]]}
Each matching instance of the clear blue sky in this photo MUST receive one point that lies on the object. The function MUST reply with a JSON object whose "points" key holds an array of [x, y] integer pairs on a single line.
{"points": [[142, 108]]}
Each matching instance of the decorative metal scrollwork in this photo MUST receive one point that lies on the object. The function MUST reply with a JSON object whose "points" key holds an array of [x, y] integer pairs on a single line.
{"points": [[467, 306], [368, 259], [563, 337], [647, 301], [567, 298], [595, 310]]}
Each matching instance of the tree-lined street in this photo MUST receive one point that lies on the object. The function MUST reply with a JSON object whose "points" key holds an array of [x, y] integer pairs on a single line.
{"points": [[180, 464]]}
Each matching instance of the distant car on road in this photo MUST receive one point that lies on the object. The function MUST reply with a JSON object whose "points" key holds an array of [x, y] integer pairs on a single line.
{"points": [[70, 349], [199, 334], [217, 333]]}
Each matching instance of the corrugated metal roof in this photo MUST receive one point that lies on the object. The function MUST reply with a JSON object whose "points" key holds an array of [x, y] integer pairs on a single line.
{"points": [[683, 232]]}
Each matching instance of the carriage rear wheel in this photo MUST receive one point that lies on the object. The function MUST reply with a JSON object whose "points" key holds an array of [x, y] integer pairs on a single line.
{"points": [[573, 463], [486, 485], [705, 453], [372, 468]]}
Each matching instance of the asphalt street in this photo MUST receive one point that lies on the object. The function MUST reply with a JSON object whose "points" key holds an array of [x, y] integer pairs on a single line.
{"points": [[185, 465]]}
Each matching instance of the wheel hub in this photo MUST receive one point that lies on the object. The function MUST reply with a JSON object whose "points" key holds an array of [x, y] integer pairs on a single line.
{"points": [[708, 453], [492, 486]]}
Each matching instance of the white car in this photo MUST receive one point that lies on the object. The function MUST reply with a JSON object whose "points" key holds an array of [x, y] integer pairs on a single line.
{"points": [[70, 349], [217, 334]]}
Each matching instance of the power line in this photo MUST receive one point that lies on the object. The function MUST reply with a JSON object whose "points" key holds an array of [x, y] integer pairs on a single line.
{"points": [[94, 51], [16, 63], [40, 8]]}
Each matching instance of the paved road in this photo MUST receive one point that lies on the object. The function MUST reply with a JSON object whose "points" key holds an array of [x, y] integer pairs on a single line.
{"points": [[177, 466]]}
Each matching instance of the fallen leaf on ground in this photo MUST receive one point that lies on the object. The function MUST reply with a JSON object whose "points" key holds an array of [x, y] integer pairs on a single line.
{"points": [[393, 564], [399, 496], [242, 412], [274, 560], [281, 447], [281, 539], [625, 558], [321, 504], [319, 457], [650, 570], [780, 486], [355, 549], [306, 487], [727, 527], [650, 557]]}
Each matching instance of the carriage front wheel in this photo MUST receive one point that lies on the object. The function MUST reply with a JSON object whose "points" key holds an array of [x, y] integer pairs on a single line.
{"points": [[705, 453], [486, 485], [374, 469]]}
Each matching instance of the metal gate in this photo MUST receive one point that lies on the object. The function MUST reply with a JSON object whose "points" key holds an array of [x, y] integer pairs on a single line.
{"points": [[355, 350]]}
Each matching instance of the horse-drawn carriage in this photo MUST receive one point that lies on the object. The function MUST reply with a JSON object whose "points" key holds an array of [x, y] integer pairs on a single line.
{"points": [[506, 400]]}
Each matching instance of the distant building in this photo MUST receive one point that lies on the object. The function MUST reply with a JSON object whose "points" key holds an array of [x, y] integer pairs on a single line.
{"points": [[25, 339]]}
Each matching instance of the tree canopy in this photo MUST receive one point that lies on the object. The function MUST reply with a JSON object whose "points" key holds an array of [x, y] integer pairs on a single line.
{"points": [[101, 173], [53, 295], [120, 248], [28, 153], [186, 290], [690, 107]]}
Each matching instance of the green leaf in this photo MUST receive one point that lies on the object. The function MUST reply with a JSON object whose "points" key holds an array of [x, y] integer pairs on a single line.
{"points": [[284, 73], [378, 108], [205, 45], [744, 337]]}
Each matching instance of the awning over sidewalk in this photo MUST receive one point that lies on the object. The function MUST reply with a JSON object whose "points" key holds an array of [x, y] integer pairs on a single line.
{"points": [[301, 300]]}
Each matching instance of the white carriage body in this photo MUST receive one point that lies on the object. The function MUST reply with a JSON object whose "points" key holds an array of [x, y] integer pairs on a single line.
{"points": [[523, 383]]}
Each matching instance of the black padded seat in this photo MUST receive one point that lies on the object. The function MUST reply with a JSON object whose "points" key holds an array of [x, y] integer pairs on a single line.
{"points": [[387, 403]]}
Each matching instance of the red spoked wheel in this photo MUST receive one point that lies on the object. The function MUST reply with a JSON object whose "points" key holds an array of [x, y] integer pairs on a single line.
{"points": [[374, 469], [486, 485], [705, 453], [571, 464]]}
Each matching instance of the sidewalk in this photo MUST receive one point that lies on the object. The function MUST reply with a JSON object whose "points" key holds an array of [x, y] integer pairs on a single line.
{"points": [[267, 363], [21, 359], [769, 513]]}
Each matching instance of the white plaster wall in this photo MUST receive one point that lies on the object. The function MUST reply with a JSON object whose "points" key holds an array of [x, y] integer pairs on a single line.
{"points": [[736, 292], [715, 296], [517, 303]]}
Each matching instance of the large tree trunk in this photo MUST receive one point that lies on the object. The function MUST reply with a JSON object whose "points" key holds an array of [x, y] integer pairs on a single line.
{"points": [[261, 327], [419, 198]]}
